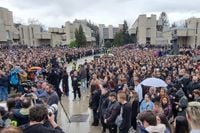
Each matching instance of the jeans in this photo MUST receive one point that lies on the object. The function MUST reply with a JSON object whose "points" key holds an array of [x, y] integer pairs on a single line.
{"points": [[3, 93]]}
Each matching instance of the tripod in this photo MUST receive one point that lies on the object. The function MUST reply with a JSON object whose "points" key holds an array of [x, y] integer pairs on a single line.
{"points": [[65, 112]]}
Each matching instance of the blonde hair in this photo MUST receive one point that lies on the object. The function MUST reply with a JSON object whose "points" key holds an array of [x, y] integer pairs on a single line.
{"points": [[193, 113]]}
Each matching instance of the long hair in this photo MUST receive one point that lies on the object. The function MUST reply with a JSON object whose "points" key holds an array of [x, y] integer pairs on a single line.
{"points": [[182, 125]]}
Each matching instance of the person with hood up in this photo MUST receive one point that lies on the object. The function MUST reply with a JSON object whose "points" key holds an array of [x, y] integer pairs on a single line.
{"points": [[182, 104]]}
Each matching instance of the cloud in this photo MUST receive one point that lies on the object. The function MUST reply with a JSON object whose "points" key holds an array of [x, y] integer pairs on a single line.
{"points": [[56, 12]]}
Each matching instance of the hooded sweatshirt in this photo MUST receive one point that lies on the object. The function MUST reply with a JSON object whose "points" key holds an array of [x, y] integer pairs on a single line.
{"points": [[160, 128]]}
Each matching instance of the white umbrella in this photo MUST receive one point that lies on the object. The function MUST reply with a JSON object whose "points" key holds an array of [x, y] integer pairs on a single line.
{"points": [[154, 82]]}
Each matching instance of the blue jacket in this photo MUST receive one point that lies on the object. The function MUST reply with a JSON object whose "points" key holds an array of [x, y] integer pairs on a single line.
{"points": [[146, 106]]}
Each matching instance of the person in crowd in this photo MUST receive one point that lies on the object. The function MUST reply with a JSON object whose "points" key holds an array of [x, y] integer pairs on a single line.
{"points": [[95, 97], [103, 105], [76, 85], [38, 114], [21, 116], [157, 109], [166, 106], [135, 108], [138, 88], [112, 112], [4, 84], [146, 104], [54, 79], [181, 125], [52, 95], [126, 112], [193, 113], [162, 119], [149, 123], [52, 98], [4, 118], [40, 91], [65, 82], [83, 77], [196, 95], [152, 93], [182, 103]]}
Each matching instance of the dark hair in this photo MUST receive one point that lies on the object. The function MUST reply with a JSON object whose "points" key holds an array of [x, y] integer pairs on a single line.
{"points": [[182, 125], [163, 120], [38, 113], [26, 102], [11, 103], [149, 117], [113, 94]]}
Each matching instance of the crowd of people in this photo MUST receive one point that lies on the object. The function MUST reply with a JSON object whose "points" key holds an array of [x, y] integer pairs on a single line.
{"points": [[120, 102], [30, 84], [36, 78]]}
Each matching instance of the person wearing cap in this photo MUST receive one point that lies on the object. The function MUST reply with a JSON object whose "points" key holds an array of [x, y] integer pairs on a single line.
{"points": [[113, 111], [192, 114]]}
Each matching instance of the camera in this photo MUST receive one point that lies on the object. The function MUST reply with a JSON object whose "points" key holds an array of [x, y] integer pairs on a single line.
{"points": [[28, 84], [28, 95], [52, 109]]}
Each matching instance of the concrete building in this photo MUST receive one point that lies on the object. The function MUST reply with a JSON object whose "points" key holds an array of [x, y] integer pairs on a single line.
{"points": [[144, 28], [58, 36], [32, 35], [107, 33], [6, 25], [70, 29], [185, 36]]}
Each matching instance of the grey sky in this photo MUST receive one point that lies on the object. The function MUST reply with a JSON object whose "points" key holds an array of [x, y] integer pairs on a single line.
{"points": [[56, 12]]}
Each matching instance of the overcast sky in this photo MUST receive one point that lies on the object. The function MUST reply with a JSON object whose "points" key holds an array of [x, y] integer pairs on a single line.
{"points": [[56, 12]]}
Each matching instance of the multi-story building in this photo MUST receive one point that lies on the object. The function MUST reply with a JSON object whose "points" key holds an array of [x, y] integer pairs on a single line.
{"points": [[187, 35], [6, 25], [70, 29], [146, 31], [144, 28], [33, 35], [107, 33]]}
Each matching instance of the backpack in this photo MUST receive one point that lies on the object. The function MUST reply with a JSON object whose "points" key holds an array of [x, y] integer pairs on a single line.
{"points": [[14, 79], [119, 118]]}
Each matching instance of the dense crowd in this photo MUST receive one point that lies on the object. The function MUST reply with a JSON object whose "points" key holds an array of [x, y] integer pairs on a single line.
{"points": [[30, 83], [37, 77], [121, 102]]}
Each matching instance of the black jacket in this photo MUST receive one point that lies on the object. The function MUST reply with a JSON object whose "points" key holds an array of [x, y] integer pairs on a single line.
{"points": [[76, 81], [95, 99], [126, 116], [39, 128], [103, 104], [112, 112]]}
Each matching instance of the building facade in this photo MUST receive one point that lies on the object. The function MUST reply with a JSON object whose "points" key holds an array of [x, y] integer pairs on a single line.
{"points": [[6, 25], [34, 35], [107, 33], [144, 28], [70, 29], [146, 31]]}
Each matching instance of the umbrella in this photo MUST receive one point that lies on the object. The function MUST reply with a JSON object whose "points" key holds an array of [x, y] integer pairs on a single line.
{"points": [[36, 68], [154, 82]]}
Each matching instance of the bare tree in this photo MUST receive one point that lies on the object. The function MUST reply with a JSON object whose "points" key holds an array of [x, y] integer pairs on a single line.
{"points": [[34, 21], [164, 21], [174, 24]]}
